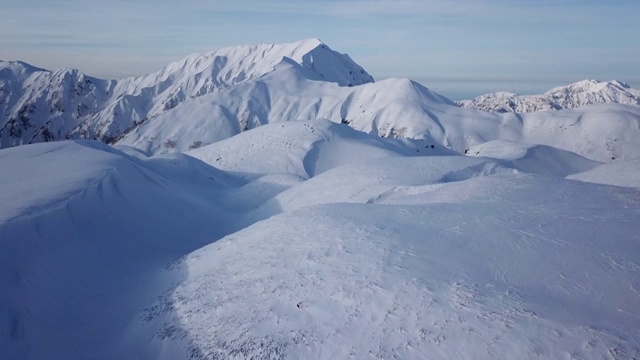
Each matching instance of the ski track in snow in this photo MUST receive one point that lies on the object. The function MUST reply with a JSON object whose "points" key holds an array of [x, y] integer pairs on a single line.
{"points": [[311, 240]]}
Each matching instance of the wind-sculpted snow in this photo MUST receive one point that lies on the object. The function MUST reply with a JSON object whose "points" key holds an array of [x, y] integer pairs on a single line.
{"points": [[84, 229], [574, 95], [312, 240], [304, 149], [624, 173]]}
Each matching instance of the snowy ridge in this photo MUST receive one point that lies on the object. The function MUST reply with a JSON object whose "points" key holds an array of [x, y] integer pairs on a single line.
{"points": [[310, 239], [571, 96], [396, 108], [388, 108], [209, 97], [40, 105]]}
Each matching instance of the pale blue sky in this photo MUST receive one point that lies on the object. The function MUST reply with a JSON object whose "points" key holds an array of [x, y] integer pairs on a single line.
{"points": [[454, 47]]}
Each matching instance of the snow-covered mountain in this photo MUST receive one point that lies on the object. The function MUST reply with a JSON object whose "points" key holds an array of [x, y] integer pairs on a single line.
{"points": [[394, 107], [209, 97], [273, 202], [40, 105], [572, 96], [309, 239]]}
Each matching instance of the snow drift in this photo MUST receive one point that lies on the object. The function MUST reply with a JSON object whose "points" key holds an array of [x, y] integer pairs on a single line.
{"points": [[314, 240]]}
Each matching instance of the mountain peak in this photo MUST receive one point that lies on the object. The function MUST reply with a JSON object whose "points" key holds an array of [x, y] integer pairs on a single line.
{"points": [[310, 43], [227, 66], [594, 85], [17, 70], [621, 84], [574, 95], [86, 107]]}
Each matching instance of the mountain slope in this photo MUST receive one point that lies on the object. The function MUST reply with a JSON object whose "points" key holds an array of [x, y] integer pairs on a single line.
{"points": [[209, 97], [40, 105], [79, 247], [402, 281], [387, 108], [619, 174], [572, 96], [314, 240]]}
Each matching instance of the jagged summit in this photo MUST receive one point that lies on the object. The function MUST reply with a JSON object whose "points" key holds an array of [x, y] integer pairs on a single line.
{"points": [[16, 64], [15, 71], [41, 105], [205, 98], [201, 73], [570, 96], [590, 85]]}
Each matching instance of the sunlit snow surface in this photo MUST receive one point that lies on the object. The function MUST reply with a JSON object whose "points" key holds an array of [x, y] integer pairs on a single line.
{"points": [[571, 96], [205, 98], [312, 240]]}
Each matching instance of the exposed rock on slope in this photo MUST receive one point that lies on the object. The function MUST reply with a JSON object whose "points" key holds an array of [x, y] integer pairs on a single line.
{"points": [[572, 96], [40, 105]]}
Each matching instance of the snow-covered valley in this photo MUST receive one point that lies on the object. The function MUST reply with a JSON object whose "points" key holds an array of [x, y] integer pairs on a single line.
{"points": [[340, 218]]}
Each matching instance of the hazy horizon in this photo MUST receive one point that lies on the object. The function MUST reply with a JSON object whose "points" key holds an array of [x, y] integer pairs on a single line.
{"points": [[464, 40], [453, 88], [462, 89]]}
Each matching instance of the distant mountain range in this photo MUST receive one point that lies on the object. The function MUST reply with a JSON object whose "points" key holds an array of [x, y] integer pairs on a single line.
{"points": [[209, 97], [572, 96]]}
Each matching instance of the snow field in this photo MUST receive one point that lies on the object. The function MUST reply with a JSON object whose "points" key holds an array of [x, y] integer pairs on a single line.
{"points": [[311, 240]]}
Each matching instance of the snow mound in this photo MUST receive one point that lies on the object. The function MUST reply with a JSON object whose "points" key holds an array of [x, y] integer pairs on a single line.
{"points": [[624, 173], [374, 181], [538, 159], [35, 194], [312, 240], [80, 246], [358, 280], [300, 148]]}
